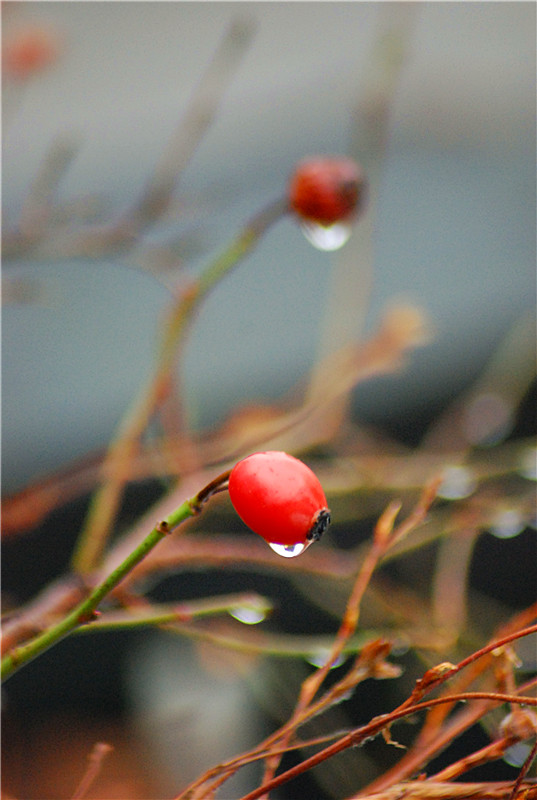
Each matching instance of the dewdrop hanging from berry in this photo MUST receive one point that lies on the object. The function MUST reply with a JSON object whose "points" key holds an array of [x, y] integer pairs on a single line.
{"points": [[280, 499], [327, 193]]}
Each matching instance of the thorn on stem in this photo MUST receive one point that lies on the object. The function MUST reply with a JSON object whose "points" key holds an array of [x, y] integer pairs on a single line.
{"points": [[89, 616], [164, 528]]}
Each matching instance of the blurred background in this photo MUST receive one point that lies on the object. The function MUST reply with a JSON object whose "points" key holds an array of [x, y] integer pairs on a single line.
{"points": [[450, 228], [454, 227]]}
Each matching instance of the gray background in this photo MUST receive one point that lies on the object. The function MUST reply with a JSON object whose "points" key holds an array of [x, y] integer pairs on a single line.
{"points": [[454, 229]]}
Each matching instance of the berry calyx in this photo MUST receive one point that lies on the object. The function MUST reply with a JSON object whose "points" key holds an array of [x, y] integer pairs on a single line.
{"points": [[327, 190], [279, 498]]}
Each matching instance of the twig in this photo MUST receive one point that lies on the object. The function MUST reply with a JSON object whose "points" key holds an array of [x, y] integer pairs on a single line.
{"points": [[524, 770], [384, 536], [152, 615], [385, 472], [98, 754], [435, 718], [84, 612], [450, 593], [94, 240], [116, 467], [284, 646], [491, 752], [433, 738], [200, 115], [426, 790], [352, 270], [38, 205], [438, 675], [373, 728], [291, 429]]}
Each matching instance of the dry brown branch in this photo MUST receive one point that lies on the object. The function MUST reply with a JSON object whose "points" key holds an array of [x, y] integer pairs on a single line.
{"points": [[383, 537], [435, 735], [36, 213], [200, 115], [427, 790], [481, 703], [95, 760], [372, 729], [348, 298], [491, 752], [524, 771], [370, 663], [221, 551]]}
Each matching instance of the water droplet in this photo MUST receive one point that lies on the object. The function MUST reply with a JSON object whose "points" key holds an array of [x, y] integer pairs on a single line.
{"points": [[507, 524], [249, 616], [289, 550], [326, 237], [400, 647], [319, 658], [517, 754], [458, 482]]}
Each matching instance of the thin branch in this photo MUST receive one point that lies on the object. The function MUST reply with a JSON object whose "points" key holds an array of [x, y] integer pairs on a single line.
{"points": [[153, 615], [384, 536], [84, 612], [290, 429], [426, 790], [373, 729], [98, 754], [200, 115], [95, 240], [116, 467], [483, 701], [524, 770], [433, 738], [491, 752]]}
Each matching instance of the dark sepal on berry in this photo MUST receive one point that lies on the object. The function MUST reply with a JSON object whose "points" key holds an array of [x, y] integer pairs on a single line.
{"points": [[320, 524]]}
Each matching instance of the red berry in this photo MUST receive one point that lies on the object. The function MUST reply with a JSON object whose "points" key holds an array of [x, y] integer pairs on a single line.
{"points": [[30, 50], [279, 498], [327, 190]]}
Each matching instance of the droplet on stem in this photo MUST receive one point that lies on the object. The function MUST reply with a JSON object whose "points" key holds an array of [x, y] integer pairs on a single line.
{"points": [[248, 616], [319, 657], [517, 754], [507, 523], [458, 482]]}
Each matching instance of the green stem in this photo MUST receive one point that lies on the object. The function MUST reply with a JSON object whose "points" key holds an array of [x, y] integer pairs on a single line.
{"points": [[106, 499], [84, 612], [184, 612], [178, 620]]}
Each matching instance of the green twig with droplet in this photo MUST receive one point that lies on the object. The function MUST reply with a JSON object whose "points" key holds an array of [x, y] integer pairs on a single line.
{"points": [[153, 615]]}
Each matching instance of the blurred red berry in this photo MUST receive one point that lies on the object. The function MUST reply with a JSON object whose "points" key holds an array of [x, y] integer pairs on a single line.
{"points": [[28, 51], [280, 498], [327, 190]]}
